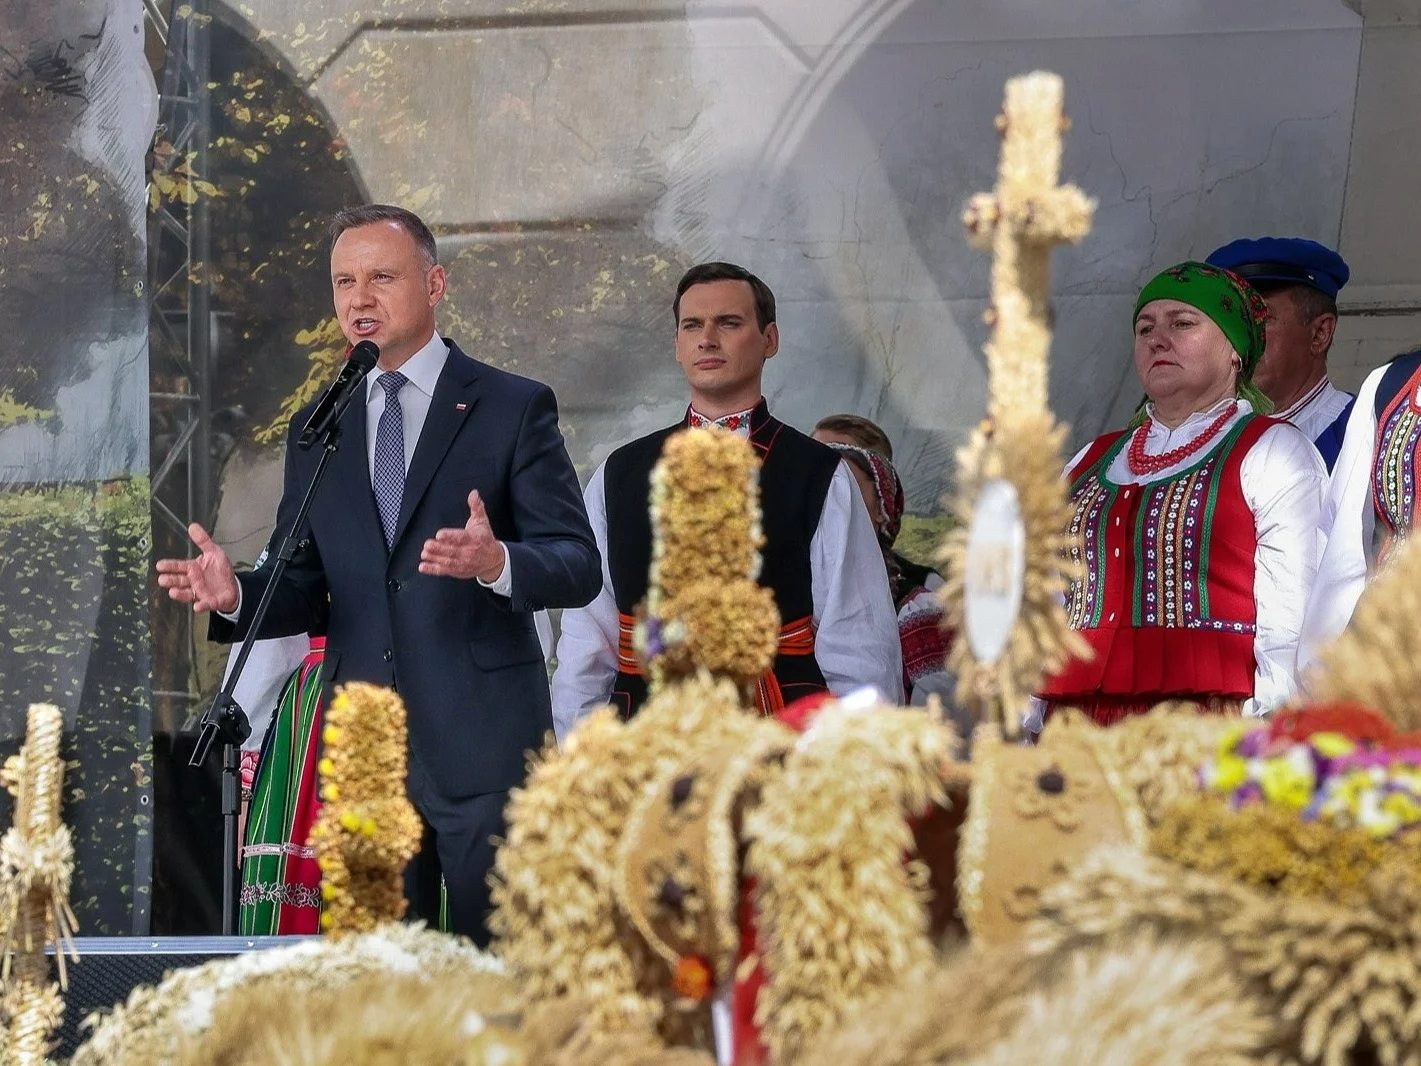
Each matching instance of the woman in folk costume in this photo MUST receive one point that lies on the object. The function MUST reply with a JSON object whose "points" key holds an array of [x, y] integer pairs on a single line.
{"points": [[1371, 502], [1197, 526], [281, 883], [925, 644]]}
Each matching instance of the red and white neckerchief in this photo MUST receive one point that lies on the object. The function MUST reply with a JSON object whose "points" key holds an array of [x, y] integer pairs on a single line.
{"points": [[736, 423]]}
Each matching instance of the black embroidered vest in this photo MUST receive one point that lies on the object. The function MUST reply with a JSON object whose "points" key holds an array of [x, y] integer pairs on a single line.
{"points": [[795, 472]]}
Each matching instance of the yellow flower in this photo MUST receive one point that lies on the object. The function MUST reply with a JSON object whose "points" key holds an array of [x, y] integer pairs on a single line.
{"points": [[349, 821], [368, 827], [1407, 776], [1288, 781], [1228, 772], [331, 734], [330, 793], [1230, 739], [1404, 807], [326, 767], [1332, 745], [326, 920], [1375, 818], [1345, 796], [328, 891]]}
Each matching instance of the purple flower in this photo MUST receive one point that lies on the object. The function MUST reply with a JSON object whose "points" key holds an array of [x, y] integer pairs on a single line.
{"points": [[655, 646], [1248, 792], [1251, 745]]}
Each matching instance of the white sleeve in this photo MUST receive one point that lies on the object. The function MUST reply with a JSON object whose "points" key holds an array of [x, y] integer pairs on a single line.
{"points": [[1283, 480], [264, 675], [236, 611], [856, 628], [503, 584], [543, 626], [587, 648], [1347, 524]]}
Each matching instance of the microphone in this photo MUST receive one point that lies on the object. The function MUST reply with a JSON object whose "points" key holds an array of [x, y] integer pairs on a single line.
{"points": [[338, 396]]}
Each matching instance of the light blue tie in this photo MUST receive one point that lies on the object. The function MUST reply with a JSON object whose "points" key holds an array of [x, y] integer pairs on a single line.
{"points": [[389, 480]]}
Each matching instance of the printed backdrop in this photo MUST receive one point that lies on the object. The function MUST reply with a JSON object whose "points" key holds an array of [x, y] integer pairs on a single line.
{"points": [[573, 156]]}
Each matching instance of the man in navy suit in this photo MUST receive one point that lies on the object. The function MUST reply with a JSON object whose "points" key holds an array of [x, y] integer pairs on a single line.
{"points": [[449, 515]]}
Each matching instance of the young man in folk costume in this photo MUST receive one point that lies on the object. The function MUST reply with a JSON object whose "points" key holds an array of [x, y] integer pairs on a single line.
{"points": [[1198, 525], [821, 555], [1371, 502], [1299, 280]]}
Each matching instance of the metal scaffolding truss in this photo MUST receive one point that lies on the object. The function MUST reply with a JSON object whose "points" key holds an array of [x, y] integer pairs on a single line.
{"points": [[181, 322], [181, 328]]}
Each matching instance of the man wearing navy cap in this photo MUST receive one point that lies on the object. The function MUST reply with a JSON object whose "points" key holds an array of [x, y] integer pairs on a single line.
{"points": [[1300, 280]]}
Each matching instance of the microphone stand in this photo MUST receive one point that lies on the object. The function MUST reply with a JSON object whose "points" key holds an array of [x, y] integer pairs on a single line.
{"points": [[225, 718]]}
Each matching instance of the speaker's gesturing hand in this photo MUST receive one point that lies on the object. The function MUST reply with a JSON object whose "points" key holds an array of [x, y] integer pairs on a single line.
{"points": [[472, 551], [208, 582]]}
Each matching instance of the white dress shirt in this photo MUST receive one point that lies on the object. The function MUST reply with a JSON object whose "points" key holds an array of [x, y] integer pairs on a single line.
{"points": [[856, 628], [264, 675], [1348, 528], [1283, 481], [1317, 410]]}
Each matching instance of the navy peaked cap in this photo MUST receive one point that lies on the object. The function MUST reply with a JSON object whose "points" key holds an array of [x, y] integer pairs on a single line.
{"points": [[1265, 262]]}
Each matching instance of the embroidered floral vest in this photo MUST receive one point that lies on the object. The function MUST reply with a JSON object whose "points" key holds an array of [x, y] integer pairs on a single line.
{"points": [[1395, 464], [1166, 603]]}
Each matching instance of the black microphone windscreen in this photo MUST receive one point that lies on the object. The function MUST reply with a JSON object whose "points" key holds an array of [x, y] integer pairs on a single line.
{"points": [[365, 355]]}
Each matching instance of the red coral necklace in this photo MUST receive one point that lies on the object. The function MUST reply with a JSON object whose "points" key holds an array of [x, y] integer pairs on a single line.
{"points": [[1141, 463]]}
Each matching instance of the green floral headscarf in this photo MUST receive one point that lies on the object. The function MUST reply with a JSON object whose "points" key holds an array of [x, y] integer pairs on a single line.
{"points": [[1230, 303]]}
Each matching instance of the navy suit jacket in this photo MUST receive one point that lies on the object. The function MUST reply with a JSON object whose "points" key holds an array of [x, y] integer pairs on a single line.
{"points": [[466, 662]]}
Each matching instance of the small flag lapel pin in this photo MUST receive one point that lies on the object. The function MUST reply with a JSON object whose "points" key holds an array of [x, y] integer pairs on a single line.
{"points": [[461, 407]]}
